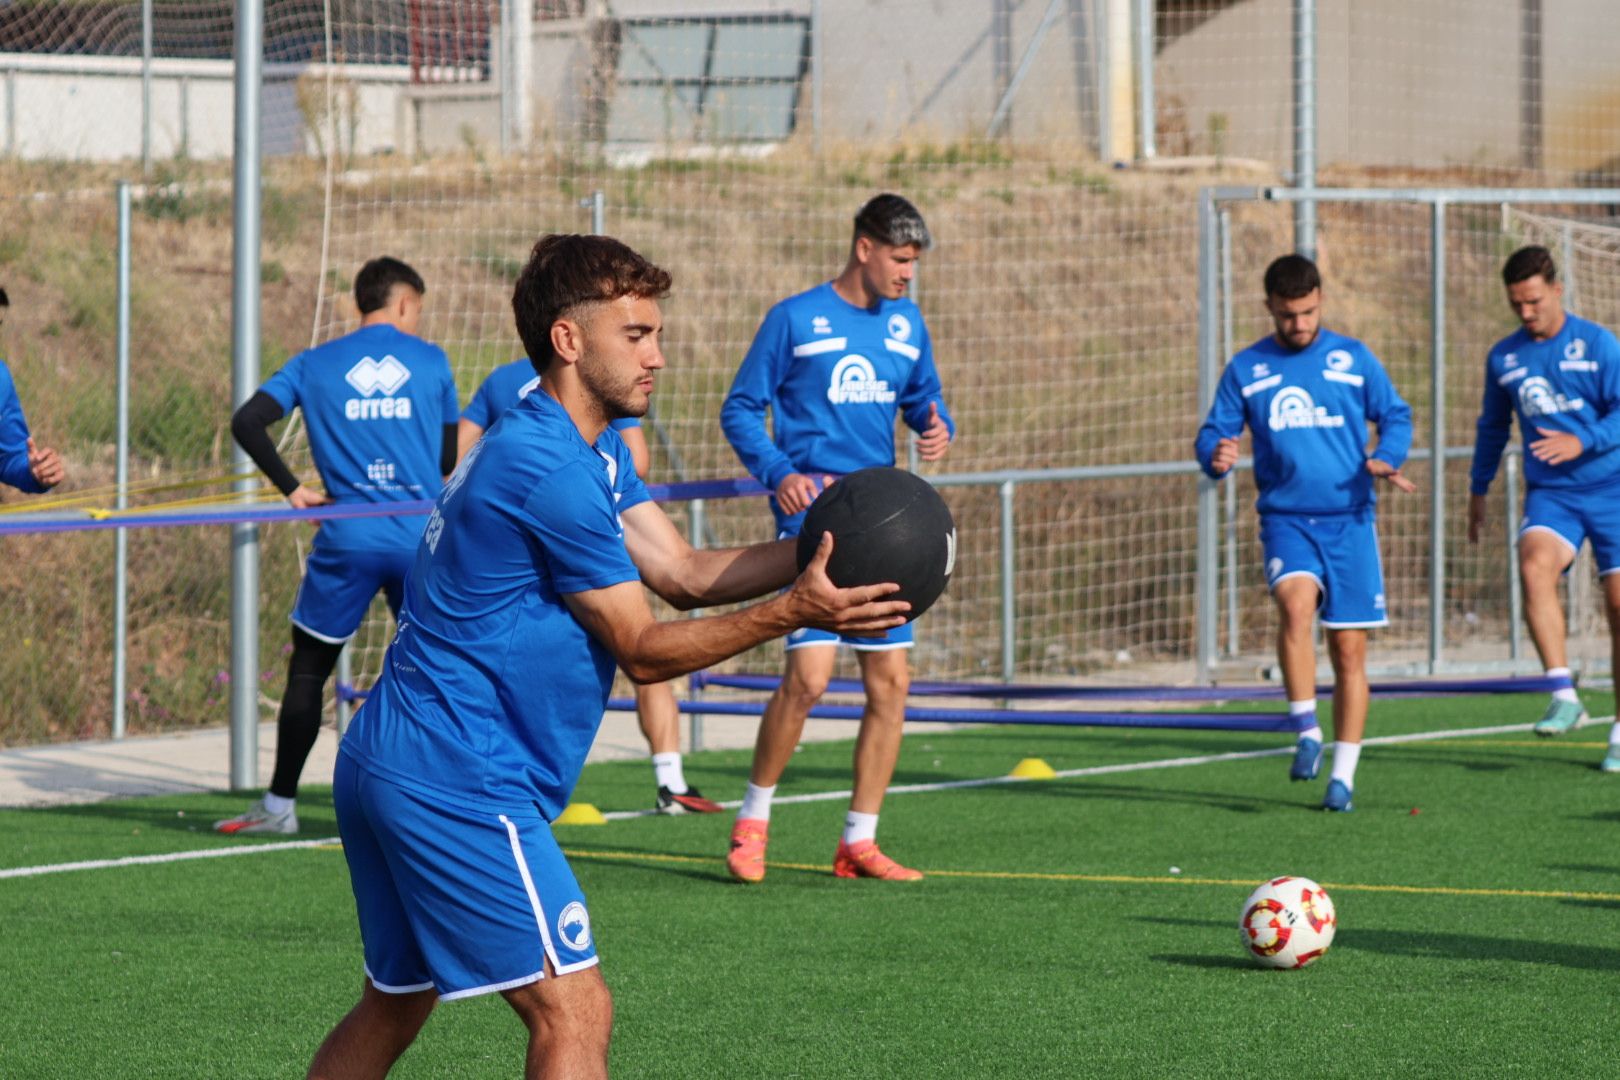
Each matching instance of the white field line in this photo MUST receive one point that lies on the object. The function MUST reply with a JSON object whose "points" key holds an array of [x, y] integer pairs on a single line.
{"points": [[819, 796]]}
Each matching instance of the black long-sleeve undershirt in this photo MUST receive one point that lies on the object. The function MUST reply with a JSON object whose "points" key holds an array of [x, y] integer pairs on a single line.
{"points": [[250, 426]]}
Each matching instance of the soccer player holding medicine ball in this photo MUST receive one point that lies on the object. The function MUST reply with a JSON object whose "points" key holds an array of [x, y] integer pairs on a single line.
{"points": [[834, 366]]}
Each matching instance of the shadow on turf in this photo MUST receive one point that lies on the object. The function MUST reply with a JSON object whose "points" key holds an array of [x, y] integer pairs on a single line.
{"points": [[1426, 944], [183, 815]]}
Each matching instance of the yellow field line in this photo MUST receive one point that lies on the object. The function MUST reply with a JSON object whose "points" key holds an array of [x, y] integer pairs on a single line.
{"points": [[1113, 879]]}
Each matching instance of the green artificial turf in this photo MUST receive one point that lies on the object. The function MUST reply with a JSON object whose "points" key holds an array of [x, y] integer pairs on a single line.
{"points": [[1082, 926]]}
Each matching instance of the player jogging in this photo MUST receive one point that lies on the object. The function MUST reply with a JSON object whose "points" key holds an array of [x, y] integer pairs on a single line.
{"points": [[380, 408], [23, 465], [656, 709], [525, 592], [834, 366], [1307, 395], [1561, 375]]}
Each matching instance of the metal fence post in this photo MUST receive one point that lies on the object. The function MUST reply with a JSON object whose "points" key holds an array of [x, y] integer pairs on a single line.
{"points": [[1208, 558], [1148, 119], [1510, 515], [1305, 124], [121, 537], [1437, 436], [1230, 485], [146, 87], [1009, 576]]}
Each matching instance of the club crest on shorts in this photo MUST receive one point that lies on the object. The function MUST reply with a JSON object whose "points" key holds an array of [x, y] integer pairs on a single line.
{"points": [[574, 926]]}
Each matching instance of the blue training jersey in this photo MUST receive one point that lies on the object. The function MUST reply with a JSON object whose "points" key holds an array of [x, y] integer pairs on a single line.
{"points": [[1570, 382], [833, 376], [375, 403], [491, 691], [14, 438], [506, 386], [1308, 412]]}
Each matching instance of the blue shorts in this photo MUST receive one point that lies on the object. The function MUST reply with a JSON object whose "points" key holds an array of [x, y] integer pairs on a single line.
{"points": [[898, 637], [458, 900], [1575, 516], [338, 587], [1340, 553]]}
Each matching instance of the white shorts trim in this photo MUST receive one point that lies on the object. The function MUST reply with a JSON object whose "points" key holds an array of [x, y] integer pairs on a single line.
{"points": [[387, 989], [1550, 531], [319, 636], [493, 988], [883, 647], [1321, 588], [1610, 570], [1375, 624], [534, 897]]}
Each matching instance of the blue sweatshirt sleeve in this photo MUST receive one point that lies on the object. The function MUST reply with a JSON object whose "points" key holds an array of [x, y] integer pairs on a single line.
{"points": [[753, 391], [923, 389], [1387, 409], [1491, 434], [1225, 421], [1606, 432], [14, 439]]}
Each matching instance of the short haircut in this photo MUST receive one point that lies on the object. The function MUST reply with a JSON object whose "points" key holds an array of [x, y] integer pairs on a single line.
{"points": [[1529, 262], [376, 280], [1291, 277], [891, 219], [566, 271]]}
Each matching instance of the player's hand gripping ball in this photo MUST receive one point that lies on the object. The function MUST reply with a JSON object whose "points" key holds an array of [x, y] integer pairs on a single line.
{"points": [[1288, 922], [887, 525]]}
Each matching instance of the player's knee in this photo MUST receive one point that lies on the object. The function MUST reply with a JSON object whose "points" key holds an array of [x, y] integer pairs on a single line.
{"points": [[888, 687], [803, 689], [577, 1006]]}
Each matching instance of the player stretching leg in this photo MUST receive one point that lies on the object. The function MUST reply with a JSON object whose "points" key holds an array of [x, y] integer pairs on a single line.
{"points": [[1307, 395], [833, 366], [1561, 375]]}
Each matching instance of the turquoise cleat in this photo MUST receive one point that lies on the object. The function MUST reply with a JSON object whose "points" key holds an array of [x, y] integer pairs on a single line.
{"points": [[1611, 763], [1561, 716], [1338, 797], [1307, 760]]}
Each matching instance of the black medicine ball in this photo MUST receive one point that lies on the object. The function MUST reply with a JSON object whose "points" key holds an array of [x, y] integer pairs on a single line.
{"points": [[887, 525]]}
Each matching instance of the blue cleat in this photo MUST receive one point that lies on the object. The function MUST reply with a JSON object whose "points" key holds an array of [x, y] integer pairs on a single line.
{"points": [[1337, 797], [1561, 716], [1307, 760]]}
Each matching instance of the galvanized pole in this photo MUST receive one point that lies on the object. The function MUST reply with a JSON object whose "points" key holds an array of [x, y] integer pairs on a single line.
{"points": [[1229, 486], [244, 381], [1208, 560], [1147, 122], [817, 45], [146, 87], [1437, 433], [1009, 576], [121, 540], [1510, 515], [1305, 124]]}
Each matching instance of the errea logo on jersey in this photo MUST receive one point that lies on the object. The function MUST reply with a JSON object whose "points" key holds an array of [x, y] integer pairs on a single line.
{"points": [[855, 382], [1293, 408], [372, 377], [820, 325]]}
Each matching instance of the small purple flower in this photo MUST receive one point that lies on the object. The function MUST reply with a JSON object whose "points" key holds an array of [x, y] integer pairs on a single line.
{"points": [[221, 678]]}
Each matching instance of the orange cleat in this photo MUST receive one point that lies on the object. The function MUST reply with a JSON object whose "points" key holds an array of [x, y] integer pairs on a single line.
{"points": [[863, 859], [746, 860]]}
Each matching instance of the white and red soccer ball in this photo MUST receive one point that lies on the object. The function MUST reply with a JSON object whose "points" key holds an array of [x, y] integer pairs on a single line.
{"points": [[1288, 922]]}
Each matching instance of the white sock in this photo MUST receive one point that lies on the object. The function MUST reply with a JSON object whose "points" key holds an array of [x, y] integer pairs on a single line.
{"points": [[667, 770], [1614, 737], [1305, 708], [1345, 757], [1566, 692], [756, 802], [859, 826], [276, 804]]}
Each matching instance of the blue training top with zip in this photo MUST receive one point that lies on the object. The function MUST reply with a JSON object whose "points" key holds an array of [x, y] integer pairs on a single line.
{"points": [[1308, 411], [1571, 383]]}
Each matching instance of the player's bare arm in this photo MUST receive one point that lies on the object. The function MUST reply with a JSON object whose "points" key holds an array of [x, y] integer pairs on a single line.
{"points": [[1556, 447], [652, 651], [1476, 517], [1383, 470], [935, 439], [688, 577], [795, 493]]}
